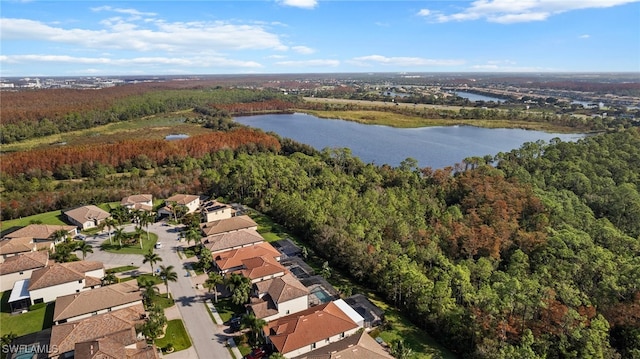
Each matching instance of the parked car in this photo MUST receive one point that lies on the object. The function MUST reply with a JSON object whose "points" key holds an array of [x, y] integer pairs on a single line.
{"points": [[234, 324], [158, 245], [256, 353]]}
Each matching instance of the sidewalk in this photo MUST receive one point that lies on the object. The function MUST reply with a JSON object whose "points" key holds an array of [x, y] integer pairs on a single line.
{"points": [[230, 342]]}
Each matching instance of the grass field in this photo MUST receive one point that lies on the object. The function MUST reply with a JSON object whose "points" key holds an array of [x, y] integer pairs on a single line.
{"points": [[53, 217], [175, 335], [25, 323], [133, 248], [227, 309]]}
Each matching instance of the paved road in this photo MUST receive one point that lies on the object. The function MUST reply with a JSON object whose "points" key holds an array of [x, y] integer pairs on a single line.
{"points": [[208, 338]]}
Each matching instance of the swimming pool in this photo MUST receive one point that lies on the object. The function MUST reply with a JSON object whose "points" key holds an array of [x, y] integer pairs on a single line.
{"points": [[322, 295]]}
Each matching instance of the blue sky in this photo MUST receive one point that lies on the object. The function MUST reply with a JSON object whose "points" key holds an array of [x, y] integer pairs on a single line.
{"points": [[97, 38]]}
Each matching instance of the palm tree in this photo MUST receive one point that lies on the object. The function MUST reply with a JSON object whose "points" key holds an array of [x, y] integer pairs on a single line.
{"points": [[151, 258], [109, 278], [139, 233], [239, 286], [192, 234], [118, 235], [85, 248], [168, 275], [212, 282], [110, 222], [60, 234], [254, 324], [146, 218], [150, 290]]}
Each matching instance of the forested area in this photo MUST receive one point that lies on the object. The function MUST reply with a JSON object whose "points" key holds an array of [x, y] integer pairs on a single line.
{"points": [[536, 256], [31, 114]]}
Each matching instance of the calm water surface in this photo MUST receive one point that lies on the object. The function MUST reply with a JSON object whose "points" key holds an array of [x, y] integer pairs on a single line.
{"points": [[435, 147], [475, 97]]}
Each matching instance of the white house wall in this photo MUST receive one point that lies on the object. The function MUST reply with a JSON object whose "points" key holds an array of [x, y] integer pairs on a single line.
{"points": [[290, 307], [8, 280], [49, 294], [320, 344]]}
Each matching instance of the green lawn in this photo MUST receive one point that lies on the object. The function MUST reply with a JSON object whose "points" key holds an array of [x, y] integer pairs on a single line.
{"points": [[227, 309], [267, 228], [162, 301], [133, 248], [53, 217], [121, 269], [399, 327], [148, 277], [25, 323], [175, 335]]}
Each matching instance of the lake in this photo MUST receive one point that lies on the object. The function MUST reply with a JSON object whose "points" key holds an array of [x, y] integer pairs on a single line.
{"points": [[435, 147], [473, 97]]}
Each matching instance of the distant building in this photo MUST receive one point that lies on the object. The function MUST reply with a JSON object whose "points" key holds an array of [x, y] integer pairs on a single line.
{"points": [[86, 217]]}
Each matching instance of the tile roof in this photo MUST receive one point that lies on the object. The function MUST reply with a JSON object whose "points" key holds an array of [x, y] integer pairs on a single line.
{"points": [[39, 231], [227, 225], [59, 273], [183, 199], [277, 290], [308, 326], [224, 241], [89, 301], [23, 262], [357, 346], [136, 198], [110, 347], [118, 324], [16, 245], [235, 257], [260, 267], [87, 213]]}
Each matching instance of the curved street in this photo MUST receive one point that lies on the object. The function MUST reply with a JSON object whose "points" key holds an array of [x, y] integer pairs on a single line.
{"points": [[208, 339]]}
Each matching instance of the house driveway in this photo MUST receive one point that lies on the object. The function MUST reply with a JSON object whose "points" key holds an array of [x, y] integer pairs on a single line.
{"points": [[208, 339]]}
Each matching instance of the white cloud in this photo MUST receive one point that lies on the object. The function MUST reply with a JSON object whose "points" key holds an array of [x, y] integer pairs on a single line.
{"points": [[303, 50], [176, 37], [309, 63], [197, 61], [506, 66], [305, 4], [123, 11], [402, 61], [585, 36], [514, 11]]}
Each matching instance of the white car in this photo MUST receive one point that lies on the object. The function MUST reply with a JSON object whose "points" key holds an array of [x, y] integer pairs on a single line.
{"points": [[158, 245]]}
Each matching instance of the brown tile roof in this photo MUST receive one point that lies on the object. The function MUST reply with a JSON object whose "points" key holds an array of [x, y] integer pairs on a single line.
{"points": [[59, 273], [136, 198], [357, 346], [183, 199], [89, 301], [87, 213], [234, 258], [276, 290], [92, 281], [308, 326], [224, 241], [16, 245], [110, 347], [285, 288], [259, 267], [39, 231], [23, 262], [120, 323], [227, 225]]}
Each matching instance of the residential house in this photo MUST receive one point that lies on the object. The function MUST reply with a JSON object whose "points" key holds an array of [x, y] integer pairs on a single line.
{"points": [[58, 279], [13, 246], [232, 240], [42, 232], [311, 329], [81, 305], [257, 262], [372, 315], [142, 202], [358, 346], [21, 267], [113, 334], [190, 201], [214, 210], [86, 217], [277, 297], [228, 225]]}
